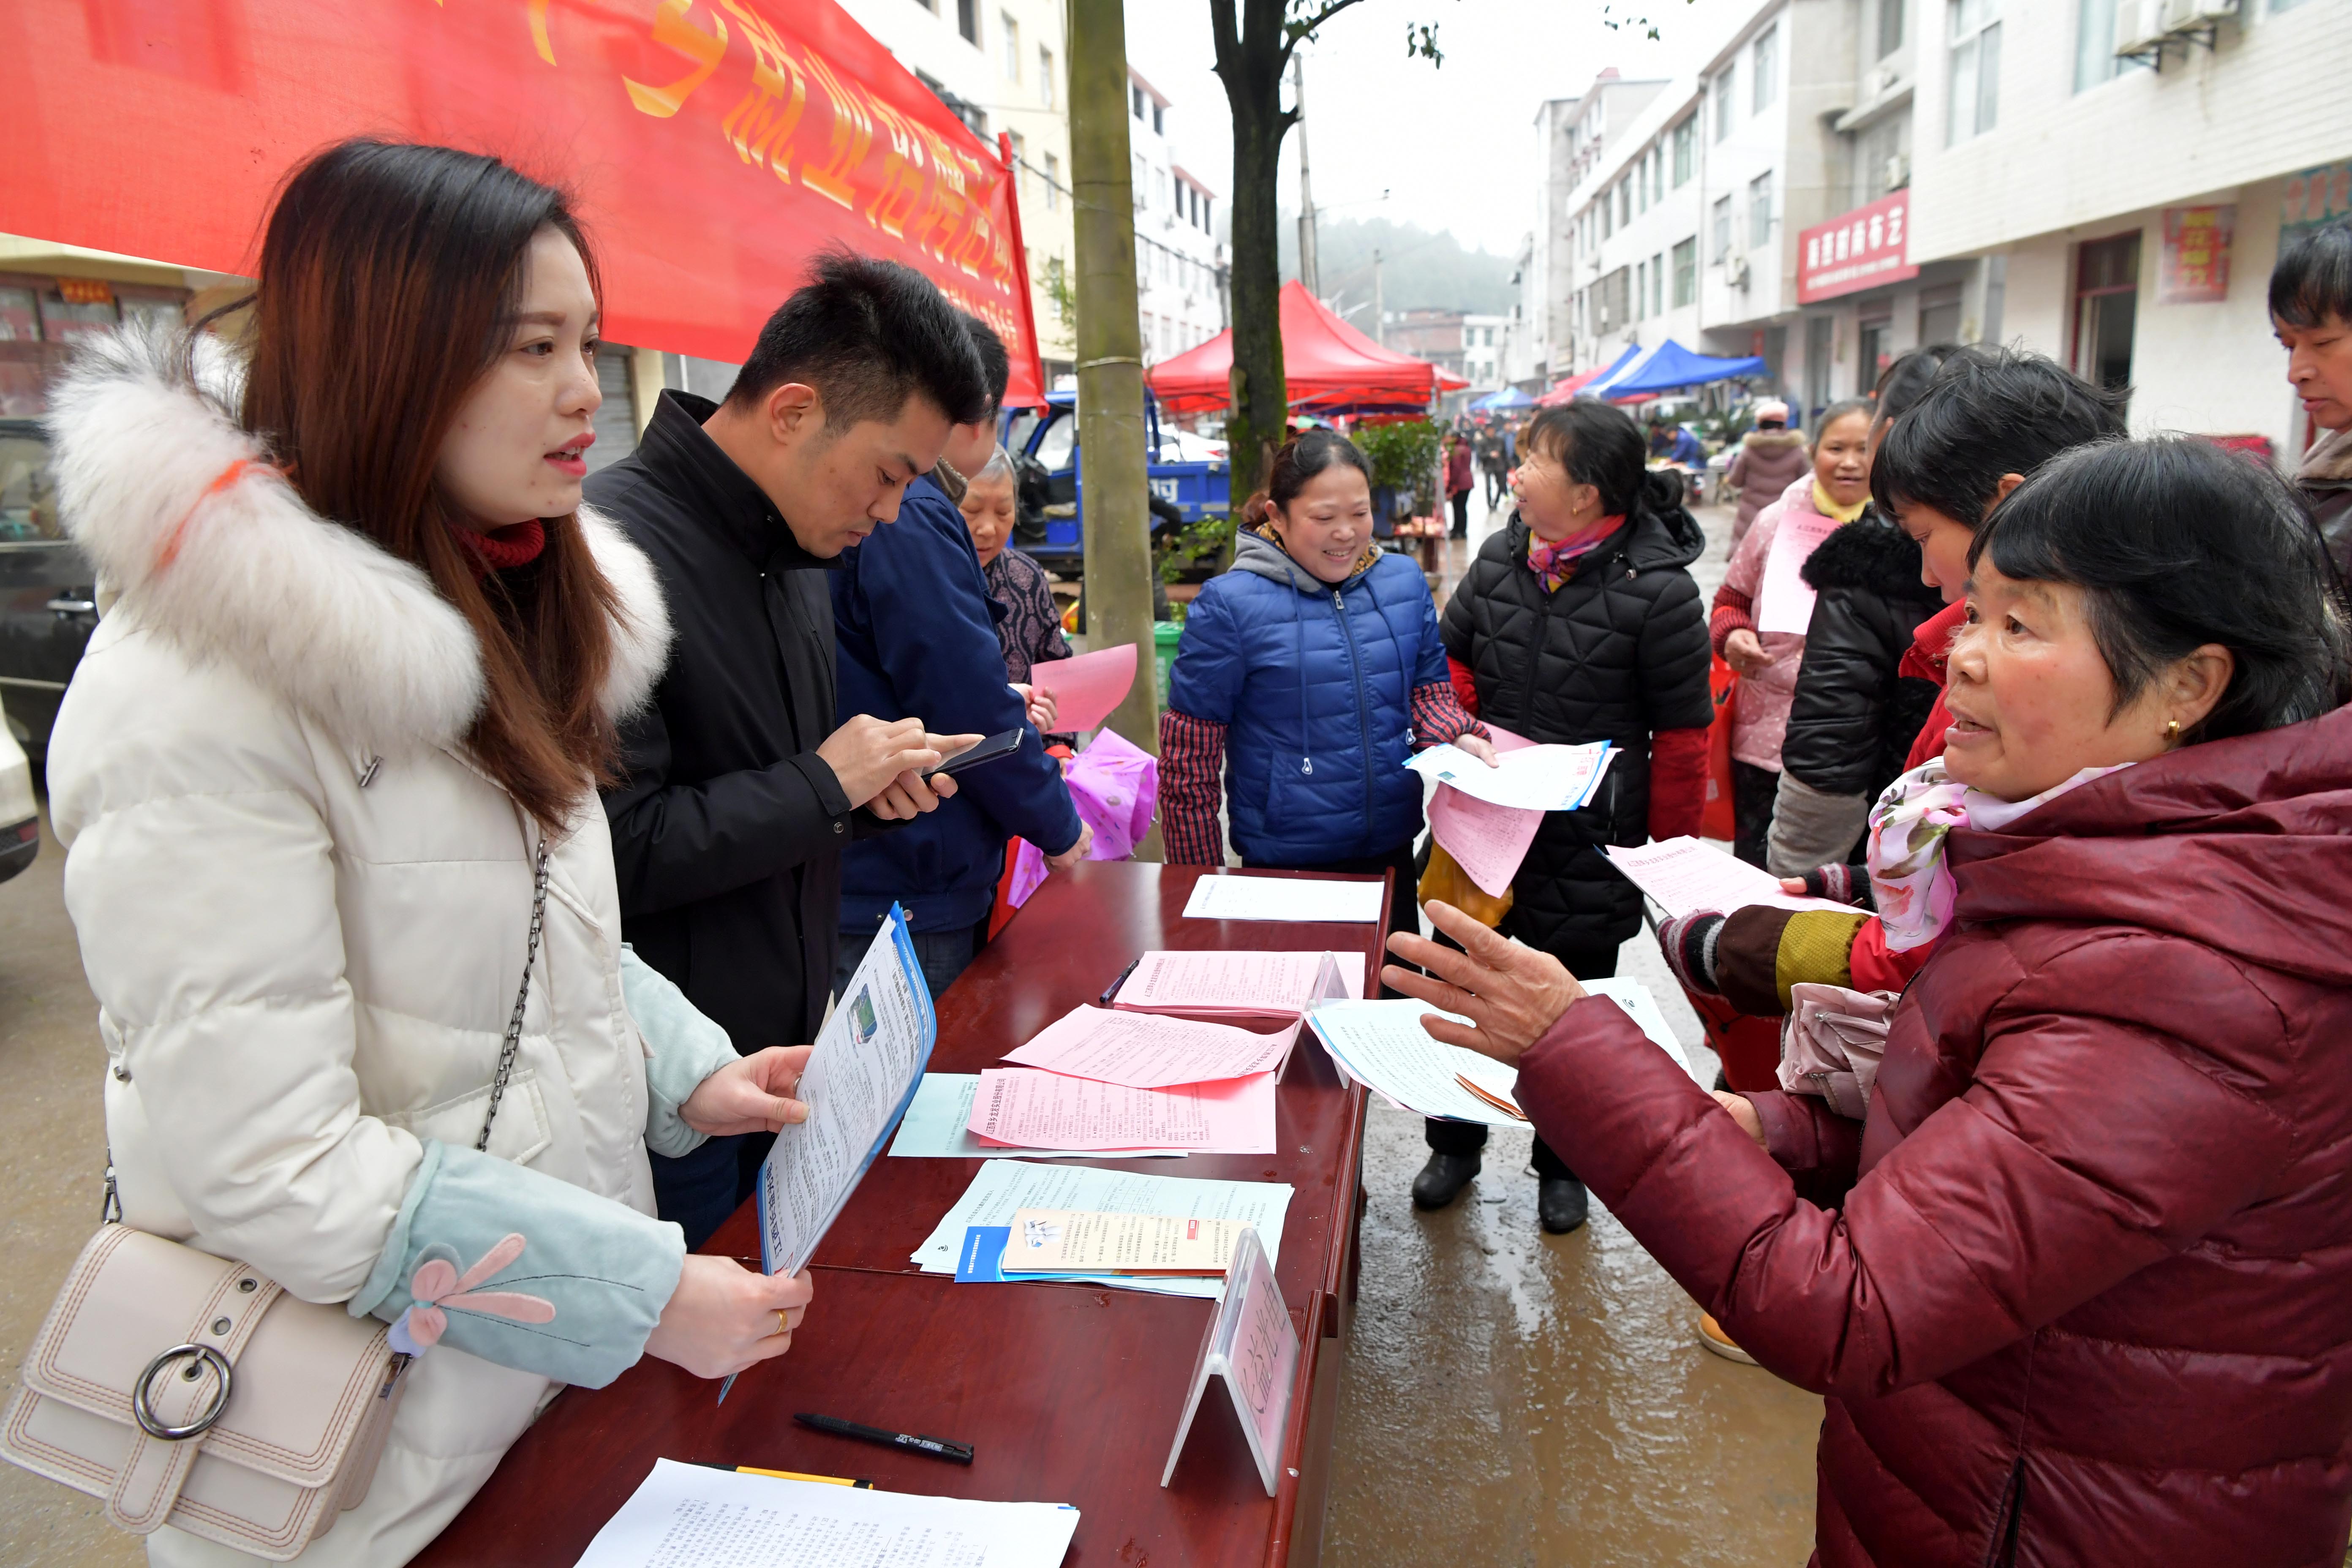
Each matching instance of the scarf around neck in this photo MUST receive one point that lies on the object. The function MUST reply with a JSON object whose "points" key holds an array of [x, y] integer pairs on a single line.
{"points": [[1908, 828], [1554, 561], [1828, 507]]}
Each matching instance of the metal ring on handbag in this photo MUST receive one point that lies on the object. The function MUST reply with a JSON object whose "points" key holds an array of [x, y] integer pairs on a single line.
{"points": [[142, 1409]]}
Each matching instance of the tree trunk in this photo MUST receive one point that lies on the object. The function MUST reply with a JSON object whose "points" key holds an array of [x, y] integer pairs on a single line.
{"points": [[1250, 63], [1112, 472]]}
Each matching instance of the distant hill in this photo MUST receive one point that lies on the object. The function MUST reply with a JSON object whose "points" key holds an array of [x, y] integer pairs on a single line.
{"points": [[1420, 269]]}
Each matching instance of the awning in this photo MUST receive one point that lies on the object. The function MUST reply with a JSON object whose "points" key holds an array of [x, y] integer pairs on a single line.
{"points": [[715, 149], [1331, 368], [1510, 397], [1569, 386], [1666, 368]]}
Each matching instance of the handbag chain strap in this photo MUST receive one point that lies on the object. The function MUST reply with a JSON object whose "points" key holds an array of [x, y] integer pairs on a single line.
{"points": [[514, 1025]]}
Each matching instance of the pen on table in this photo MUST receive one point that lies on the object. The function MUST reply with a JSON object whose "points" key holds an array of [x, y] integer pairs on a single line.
{"points": [[785, 1475], [937, 1448], [1112, 989]]}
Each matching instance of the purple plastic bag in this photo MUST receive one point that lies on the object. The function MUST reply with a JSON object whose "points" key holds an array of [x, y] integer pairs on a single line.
{"points": [[1116, 787]]}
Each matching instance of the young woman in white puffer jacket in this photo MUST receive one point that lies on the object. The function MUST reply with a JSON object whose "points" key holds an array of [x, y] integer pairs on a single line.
{"points": [[363, 661]]}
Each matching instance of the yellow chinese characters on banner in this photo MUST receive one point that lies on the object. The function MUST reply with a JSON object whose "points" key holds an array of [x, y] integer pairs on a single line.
{"points": [[716, 146], [2195, 267]]}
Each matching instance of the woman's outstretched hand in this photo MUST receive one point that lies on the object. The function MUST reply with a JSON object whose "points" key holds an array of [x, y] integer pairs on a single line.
{"points": [[1510, 993]]}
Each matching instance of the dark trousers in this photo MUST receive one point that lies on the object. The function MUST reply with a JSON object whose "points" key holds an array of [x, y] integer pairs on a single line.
{"points": [[944, 954], [1494, 487], [1754, 792], [1461, 499], [1404, 905], [697, 1190], [1469, 1137]]}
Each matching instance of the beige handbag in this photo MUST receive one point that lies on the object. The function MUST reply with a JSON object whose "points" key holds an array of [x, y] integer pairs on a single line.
{"points": [[195, 1391]]}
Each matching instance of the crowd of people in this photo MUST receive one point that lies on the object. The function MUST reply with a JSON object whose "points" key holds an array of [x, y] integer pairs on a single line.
{"points": [[385, 679]]}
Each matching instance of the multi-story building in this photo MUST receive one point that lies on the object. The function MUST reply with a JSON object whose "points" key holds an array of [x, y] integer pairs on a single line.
{"points": [[1428, 333], [1482, 351], [1179, 267], [1574, 135], [1523, 351], [1001, 66]]}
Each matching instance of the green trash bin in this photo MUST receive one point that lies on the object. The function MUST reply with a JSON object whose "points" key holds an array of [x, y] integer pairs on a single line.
{"points": [[1165, 636]]}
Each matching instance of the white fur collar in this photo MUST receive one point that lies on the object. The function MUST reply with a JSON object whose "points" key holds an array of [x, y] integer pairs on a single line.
{"points": [[315, 611]]}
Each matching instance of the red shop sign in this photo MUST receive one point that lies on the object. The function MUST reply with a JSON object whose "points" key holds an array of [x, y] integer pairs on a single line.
{"points": [[716, 145], [1865, 248]]}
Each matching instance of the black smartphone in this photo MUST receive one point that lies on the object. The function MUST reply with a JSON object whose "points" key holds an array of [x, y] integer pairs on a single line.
{"points": [[1003, 744]]}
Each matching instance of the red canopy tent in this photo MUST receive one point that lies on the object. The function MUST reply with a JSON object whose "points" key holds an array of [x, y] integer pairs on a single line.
{"points": [[1331, 368]]}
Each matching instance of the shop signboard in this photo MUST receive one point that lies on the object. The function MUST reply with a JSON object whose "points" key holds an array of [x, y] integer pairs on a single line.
{"points": [[2316, 196], [1862, 249], [716, 146], [2195, 265]]}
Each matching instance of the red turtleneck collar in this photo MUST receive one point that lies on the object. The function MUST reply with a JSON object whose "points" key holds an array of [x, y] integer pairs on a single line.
{"points": [[515, 545]]}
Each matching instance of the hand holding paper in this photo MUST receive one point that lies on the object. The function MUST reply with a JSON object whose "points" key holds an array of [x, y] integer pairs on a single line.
{"points": [[1086, 688], [1688, 877]]}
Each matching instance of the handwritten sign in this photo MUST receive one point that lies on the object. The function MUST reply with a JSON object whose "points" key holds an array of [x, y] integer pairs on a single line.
{"points": [[1253, 1345]]}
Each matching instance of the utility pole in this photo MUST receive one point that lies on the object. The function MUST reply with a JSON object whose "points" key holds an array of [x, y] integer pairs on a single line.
{"points": [[1380, 305], [1112, 473], [1310, 273]]}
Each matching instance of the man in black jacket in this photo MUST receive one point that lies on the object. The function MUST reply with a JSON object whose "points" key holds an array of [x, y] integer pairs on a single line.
{"points": [[739, 793]]}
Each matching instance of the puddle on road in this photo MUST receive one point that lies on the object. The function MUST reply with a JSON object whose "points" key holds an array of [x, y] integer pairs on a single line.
{"points": [[1511, 1398]]}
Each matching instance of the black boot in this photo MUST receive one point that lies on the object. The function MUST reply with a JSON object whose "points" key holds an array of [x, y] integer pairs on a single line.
{"points": [[1561, 1203], [1442, 1180]]}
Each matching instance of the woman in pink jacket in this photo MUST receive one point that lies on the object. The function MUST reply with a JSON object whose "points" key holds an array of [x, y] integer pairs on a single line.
{"points": [[1836, 486]]}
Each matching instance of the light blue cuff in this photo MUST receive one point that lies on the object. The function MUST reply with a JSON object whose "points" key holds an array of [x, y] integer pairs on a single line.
{"points": [[687, 1048], [575, 1303]]}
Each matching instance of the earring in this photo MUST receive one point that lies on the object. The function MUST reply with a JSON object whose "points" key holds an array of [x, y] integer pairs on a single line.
{"points": [[2172, 732]]}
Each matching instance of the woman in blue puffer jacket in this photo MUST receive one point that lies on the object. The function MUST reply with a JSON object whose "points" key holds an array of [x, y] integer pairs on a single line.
{"points": [[1307, 676]]}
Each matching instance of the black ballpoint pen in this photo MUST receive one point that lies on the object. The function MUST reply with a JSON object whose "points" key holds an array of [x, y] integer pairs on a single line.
{"points": [[937, 1448], [1120, 979]]}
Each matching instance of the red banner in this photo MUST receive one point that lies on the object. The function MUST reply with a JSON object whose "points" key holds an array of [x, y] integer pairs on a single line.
{"points": [[716, 145], [1867, 247]]}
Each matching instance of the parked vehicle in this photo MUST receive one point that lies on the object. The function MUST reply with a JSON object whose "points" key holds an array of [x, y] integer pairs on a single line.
{"points": [[49, 598], [1044, 441], [20, 813]]}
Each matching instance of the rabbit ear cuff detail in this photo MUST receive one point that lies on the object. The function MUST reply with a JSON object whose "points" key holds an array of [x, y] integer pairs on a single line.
{"points": [[439, 1290]]}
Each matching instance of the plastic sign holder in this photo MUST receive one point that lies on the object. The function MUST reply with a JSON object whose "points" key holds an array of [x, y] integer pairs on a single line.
{"points": [[1251, 1344]]}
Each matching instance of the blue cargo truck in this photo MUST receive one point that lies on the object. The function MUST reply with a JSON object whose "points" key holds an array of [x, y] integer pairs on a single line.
{"points": [[1046, 441]]}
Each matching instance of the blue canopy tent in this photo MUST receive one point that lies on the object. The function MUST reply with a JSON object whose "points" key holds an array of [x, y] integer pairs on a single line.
{"points": [[1569, 386], [1664, 368], [1510, 397]]}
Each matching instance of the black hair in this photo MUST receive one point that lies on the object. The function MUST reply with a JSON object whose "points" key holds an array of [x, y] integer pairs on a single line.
{"points": [[1900, 384], [868, 335], [1598, 444], [1837, 411], [2178, 543], [2313, 280], [995, 364], [1302, 457], [1987, 412]]}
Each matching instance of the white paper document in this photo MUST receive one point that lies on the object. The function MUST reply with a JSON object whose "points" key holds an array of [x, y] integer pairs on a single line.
{"points": [[1533, 778], [689, 1516], [1284, 899], [1003, 1187], [1784, 600], [860, 1080], [1686, 877], [1383, 1045], [1234, 981], [936, 1127]]}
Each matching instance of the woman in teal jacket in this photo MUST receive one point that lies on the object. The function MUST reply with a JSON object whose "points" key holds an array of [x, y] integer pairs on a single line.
{"points": [[1307, 676]]}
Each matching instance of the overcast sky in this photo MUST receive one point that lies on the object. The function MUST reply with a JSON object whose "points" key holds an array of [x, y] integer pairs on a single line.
{"points": [[1454, 146]]}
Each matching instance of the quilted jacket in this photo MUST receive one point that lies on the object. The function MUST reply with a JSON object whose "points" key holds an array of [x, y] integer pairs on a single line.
{"points": [[2085, 1296], [1619, 652], [1315, 684]]}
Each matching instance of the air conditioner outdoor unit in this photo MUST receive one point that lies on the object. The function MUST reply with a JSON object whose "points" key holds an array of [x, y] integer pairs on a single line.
{"points": [[1735, 272], [2139, 27], [1878, 82], [1898, 171], [2193, 15]]}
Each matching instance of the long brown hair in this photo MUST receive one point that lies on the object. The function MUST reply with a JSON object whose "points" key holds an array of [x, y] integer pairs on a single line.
{"points": [[388, 274]]}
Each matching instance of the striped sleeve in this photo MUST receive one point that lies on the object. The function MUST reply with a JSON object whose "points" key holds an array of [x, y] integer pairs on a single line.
{"points": [[1191, 758], [1438, 715]]}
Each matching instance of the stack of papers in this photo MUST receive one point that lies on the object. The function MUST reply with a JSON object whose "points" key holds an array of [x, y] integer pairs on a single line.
{"points": [[1383, 1045], [1004, 1187], [1055, 1110], [1530, 778], [1686, 878], [1223, 981], [1146, 1050], [693, 1514], [1284, 899], [938, 1126]]}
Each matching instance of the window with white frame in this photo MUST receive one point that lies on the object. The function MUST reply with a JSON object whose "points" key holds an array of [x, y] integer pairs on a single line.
{"points": [[1759, 210], [1725, 89], [1642, 184], [1045, 89], [1009, 31], [1768, 66], [1140, 176], [1053, 183], [968, 21], [1685, 273], [1624, 202], [1658, 173], [1972, 85], [1658, 284], [1641, 290], [1686, 151], [1722, 227]]}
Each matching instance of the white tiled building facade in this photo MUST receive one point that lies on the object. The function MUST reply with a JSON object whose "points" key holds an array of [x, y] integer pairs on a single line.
{"points": [[1179, 267]]}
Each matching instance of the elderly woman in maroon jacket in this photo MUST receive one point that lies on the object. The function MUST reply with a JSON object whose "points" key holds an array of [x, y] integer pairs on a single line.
{"points": [[2079, 1290]]}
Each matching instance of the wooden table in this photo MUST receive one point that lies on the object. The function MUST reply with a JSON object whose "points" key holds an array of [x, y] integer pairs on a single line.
{"points": [[1067, 1392]]}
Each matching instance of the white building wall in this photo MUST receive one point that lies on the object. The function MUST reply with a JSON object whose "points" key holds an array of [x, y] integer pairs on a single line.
{"points": [[1177, 257]]}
